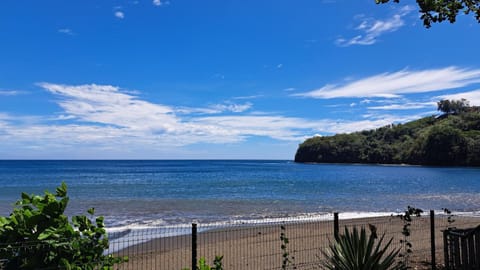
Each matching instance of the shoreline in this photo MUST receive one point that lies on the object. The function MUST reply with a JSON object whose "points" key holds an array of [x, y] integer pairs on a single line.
{"points": [[386, 164], [304, 217], [258, 246]]}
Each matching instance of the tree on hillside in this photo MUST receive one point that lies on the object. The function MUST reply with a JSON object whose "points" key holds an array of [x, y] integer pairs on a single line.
{"points": [[453, 106], [444, 145], [434, 11]]}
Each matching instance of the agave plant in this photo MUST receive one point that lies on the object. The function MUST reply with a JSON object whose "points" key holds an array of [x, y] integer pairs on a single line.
{"points": [[356, 251]]}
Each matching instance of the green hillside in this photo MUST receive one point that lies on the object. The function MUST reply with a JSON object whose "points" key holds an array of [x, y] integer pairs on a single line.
{"points": [[449, 139]]}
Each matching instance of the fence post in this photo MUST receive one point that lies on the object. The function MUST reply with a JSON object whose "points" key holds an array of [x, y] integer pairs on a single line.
{"points": [[194, 246], [432, 237], [335, 225], [445, 249]]}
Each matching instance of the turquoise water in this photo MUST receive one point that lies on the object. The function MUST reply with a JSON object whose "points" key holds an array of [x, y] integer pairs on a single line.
{"points": [[152, 193]]}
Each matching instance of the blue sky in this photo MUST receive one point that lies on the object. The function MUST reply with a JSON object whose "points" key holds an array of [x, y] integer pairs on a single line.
{"points": [[218, 79]]}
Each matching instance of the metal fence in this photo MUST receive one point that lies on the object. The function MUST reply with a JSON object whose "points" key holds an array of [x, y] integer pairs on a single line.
{"points": [[462, 248], [258, 245]]}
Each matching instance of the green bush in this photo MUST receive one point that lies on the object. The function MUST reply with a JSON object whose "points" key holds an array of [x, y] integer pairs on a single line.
{"points": [[38, 235], [202, 264], [353, 251]]}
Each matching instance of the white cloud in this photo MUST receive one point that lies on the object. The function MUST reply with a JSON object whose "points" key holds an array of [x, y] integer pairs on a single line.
{"points": [[366, 101], [279, 65], [472, 96], [11, 92], [371, 29], [189, 110], [393, 85], [108, 119], [160, 3], [63, 117], [122, 113], [218, 76], [56, 140], [217, 108], [106, 104], [351, 126], [248, 97], [288, 128], [405, 106], [231, 107], [66, 31], [119, 14]]}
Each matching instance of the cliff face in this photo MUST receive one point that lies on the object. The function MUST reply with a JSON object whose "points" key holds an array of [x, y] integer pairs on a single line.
{"points": [[447, 140]]}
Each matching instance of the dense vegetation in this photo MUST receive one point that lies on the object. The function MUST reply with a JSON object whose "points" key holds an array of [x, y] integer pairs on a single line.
{"points": [[452, 138], [38, 235], [433, 11]]}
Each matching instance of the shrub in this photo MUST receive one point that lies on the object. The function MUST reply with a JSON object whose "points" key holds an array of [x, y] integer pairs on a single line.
{"points": [[38, 235], [353, 251], [202, 264]]}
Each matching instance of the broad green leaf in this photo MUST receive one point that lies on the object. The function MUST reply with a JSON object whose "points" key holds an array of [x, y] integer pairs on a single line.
{"points": [[62, 190]]}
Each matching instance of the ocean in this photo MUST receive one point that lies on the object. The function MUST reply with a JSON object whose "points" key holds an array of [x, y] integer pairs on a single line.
{"points": [[153, 193]]}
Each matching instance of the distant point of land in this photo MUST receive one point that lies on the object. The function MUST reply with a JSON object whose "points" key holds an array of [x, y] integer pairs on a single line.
{"points": [[451, 139]]}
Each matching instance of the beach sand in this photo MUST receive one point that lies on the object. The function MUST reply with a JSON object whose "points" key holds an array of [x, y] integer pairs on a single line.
{"points": [[259, 246]]}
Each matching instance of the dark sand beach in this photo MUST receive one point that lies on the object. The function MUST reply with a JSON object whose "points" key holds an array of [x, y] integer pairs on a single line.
{"points": [[259, 247]]}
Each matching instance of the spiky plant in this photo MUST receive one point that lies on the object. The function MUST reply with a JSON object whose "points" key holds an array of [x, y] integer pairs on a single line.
{"points": [[356, 251]]}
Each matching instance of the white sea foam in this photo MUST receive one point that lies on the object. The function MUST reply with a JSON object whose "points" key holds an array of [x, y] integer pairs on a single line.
{"points": [[140, 232], [461, 214], [136, 233], [304, 217]]}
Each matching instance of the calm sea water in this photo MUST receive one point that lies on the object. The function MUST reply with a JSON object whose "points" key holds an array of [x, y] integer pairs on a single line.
{"points": [[152, 193]]}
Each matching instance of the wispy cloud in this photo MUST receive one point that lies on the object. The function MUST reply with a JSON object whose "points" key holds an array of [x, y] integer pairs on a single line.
{"points": [[371, 122], [119, 14], [405, 106], [216, 108], [218, 76], [66, 31], [232, 107], [248, 97], [366, 101], [472, 96], [103, 139], [393, 85], [106, 104], [371, 29], [160, 3], [191, 110], [11, 92], [107, 117], [110, 106]]}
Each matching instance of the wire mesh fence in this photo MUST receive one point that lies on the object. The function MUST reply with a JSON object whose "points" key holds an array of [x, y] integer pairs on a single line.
{"points": [[259, 246]]}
